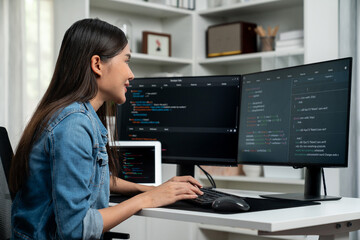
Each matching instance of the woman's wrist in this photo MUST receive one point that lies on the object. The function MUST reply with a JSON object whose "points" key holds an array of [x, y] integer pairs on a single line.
{"points": [[145, 200], [142, 188]]}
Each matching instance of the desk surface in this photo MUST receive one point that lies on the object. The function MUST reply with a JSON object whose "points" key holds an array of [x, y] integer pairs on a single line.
{"points": [[346, 209]]}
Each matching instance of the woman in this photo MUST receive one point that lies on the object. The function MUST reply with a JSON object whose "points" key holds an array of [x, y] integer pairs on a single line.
{"points": [[61, 170]]}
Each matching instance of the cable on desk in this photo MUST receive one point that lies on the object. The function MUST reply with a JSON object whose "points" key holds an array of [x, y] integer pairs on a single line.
{"points": [[209, 177], [323, 178]]}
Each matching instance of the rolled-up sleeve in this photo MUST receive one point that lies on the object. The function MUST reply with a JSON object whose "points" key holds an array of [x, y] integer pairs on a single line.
{"points": [[93, 224], [73, 167]]}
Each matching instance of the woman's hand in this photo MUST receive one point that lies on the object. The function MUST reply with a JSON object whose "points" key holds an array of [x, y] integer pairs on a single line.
{"points": [[188, 179], [175, 189]]}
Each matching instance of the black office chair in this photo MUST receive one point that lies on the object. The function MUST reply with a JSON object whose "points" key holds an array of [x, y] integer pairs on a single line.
{"points": [[6, 198], [6, 154]]}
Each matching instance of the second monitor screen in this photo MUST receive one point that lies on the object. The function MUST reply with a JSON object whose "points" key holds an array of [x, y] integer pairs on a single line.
{"points": [[296, 116], [194, 118]]}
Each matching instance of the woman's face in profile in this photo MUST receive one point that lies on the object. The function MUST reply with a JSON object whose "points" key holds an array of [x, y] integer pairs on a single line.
{"points": [[116, 76]]}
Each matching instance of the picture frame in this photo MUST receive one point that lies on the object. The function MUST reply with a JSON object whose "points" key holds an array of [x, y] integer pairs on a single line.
{"points": [[158, 44]]}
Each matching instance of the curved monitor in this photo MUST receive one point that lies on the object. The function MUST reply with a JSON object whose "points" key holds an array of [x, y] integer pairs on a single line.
{"points": [[297, 116], [194, 118]]}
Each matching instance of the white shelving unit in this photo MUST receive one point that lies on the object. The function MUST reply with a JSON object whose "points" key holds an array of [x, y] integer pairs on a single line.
{"points": [[139, 8], [142, 16], [251, 57], [155, 18], [155, 60], [187, 29], [261, 12], [250, 7]]}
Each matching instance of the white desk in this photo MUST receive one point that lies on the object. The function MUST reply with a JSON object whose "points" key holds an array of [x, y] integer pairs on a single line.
{"points": [[330, 220]]}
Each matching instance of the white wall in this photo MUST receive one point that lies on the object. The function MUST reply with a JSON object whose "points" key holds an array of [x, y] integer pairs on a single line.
{"points": [[3, 62], [321, 21], [75, 10]]}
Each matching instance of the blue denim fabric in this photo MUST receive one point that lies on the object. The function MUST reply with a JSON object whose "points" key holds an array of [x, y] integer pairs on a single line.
{"points": [[68, 182]]}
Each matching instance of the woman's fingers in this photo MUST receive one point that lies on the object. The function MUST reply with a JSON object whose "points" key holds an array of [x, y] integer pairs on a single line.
{"points": [[171, 192], [188, 188], [189, 179]]}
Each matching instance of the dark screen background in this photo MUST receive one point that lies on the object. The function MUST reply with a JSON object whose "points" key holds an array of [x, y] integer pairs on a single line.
{"points": [[194, 118]]}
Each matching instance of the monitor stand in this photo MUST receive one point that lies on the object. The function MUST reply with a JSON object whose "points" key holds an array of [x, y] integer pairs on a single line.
{"points": [[185, 170], [312, 188]]}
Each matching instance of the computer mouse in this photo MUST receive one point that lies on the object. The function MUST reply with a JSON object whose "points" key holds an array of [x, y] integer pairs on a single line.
{"points": [[230, 204]]}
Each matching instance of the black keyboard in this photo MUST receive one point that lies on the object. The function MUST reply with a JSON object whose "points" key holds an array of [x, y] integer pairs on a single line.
{"points": [[209, 196]]}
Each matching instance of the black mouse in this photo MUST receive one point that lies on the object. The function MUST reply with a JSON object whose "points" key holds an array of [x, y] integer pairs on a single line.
{"points": [[230, 204]]}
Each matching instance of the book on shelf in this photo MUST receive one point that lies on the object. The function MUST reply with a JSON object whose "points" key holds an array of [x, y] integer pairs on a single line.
{"points": [[186, 4], [286, 44], [289, 35]]}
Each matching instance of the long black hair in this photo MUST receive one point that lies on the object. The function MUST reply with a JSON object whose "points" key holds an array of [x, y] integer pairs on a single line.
{"points": [[73, 81]]}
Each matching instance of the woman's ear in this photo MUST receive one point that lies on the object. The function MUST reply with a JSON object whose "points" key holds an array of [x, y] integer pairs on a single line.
{"points": [[96, 65]]}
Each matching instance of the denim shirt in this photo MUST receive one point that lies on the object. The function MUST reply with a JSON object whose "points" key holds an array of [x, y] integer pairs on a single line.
{"points": [[68, 179]]}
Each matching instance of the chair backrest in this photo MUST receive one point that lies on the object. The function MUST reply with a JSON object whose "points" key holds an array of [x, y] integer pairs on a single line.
{"points": [[6, 154]]}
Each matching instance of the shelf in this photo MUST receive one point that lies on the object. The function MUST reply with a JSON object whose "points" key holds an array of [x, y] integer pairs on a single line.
{"points": [[156, 60], [142, 8], [244, 231], [282, 181], [251, 57], [250, 7]]}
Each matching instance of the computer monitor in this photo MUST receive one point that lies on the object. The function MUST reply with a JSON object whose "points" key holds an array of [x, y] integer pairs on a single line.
{"points": [[139, 161], [297, 116], [194, 118]]}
